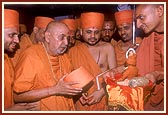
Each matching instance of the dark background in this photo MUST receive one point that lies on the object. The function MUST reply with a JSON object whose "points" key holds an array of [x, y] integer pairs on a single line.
{"points": [[28, 12]]}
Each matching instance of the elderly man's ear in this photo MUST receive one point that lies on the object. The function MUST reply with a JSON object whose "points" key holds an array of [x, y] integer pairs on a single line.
{"points": [[160, 10], [47, 36]]}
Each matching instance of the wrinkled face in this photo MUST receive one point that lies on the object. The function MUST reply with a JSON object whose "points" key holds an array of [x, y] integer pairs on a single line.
{"points": [[125, 31], [91, 35], [147, 18], [108, 31], [58, 40], [72, 40], [10, 39]]}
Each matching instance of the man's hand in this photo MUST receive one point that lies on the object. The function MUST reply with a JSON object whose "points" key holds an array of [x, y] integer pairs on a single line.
{"points": [[66, 88], [35, 106], [94, 98]]}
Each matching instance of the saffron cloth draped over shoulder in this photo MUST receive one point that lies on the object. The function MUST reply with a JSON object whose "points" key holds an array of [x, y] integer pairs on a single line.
{"points": [[11, 18], [8, 81], [80, 56], [34, 71]]}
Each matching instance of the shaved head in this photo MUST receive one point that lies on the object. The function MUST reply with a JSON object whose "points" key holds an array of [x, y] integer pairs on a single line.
{"points": [[55, 25]]}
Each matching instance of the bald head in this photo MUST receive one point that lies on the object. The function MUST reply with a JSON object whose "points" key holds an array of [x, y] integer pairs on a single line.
{"points": [[56, 38], [150, 17], [149, 5], [52, 26]]}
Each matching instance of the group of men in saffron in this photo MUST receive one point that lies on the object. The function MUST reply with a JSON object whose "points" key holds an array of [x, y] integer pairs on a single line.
{"points": [[34, 75]]}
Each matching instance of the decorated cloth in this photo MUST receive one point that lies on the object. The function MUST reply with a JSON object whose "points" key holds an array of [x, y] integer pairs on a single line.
{"points": [[71, 23], [80, 56], [11, 18], [8, 82], [125, 16], [92, 19], [150, 57], [124, 97], [24, 43], [33, 71]]}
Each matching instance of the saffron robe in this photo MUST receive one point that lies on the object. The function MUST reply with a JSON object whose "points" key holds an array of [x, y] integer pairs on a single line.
{"points": [[150, 57], [80, 56], [33, 71], [8, 82]]}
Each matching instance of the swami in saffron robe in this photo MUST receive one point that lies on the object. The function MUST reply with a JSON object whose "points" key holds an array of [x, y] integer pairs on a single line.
{"points": [[33, 71], [8, 82], [150, 57]]}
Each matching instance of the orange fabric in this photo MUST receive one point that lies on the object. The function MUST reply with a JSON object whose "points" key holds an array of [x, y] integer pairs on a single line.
{"points": [[11, 18], [33, 71], [129, 98], [92, 19], [32, 38], [24, 43], [80, 56], [156, 101], [131, 60], [125, 16], [71, 23], [120, 53], [131, 70], [150, 57], [150, 54], [8, 82], [42, 22], [84, 79], [78, 22]]}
